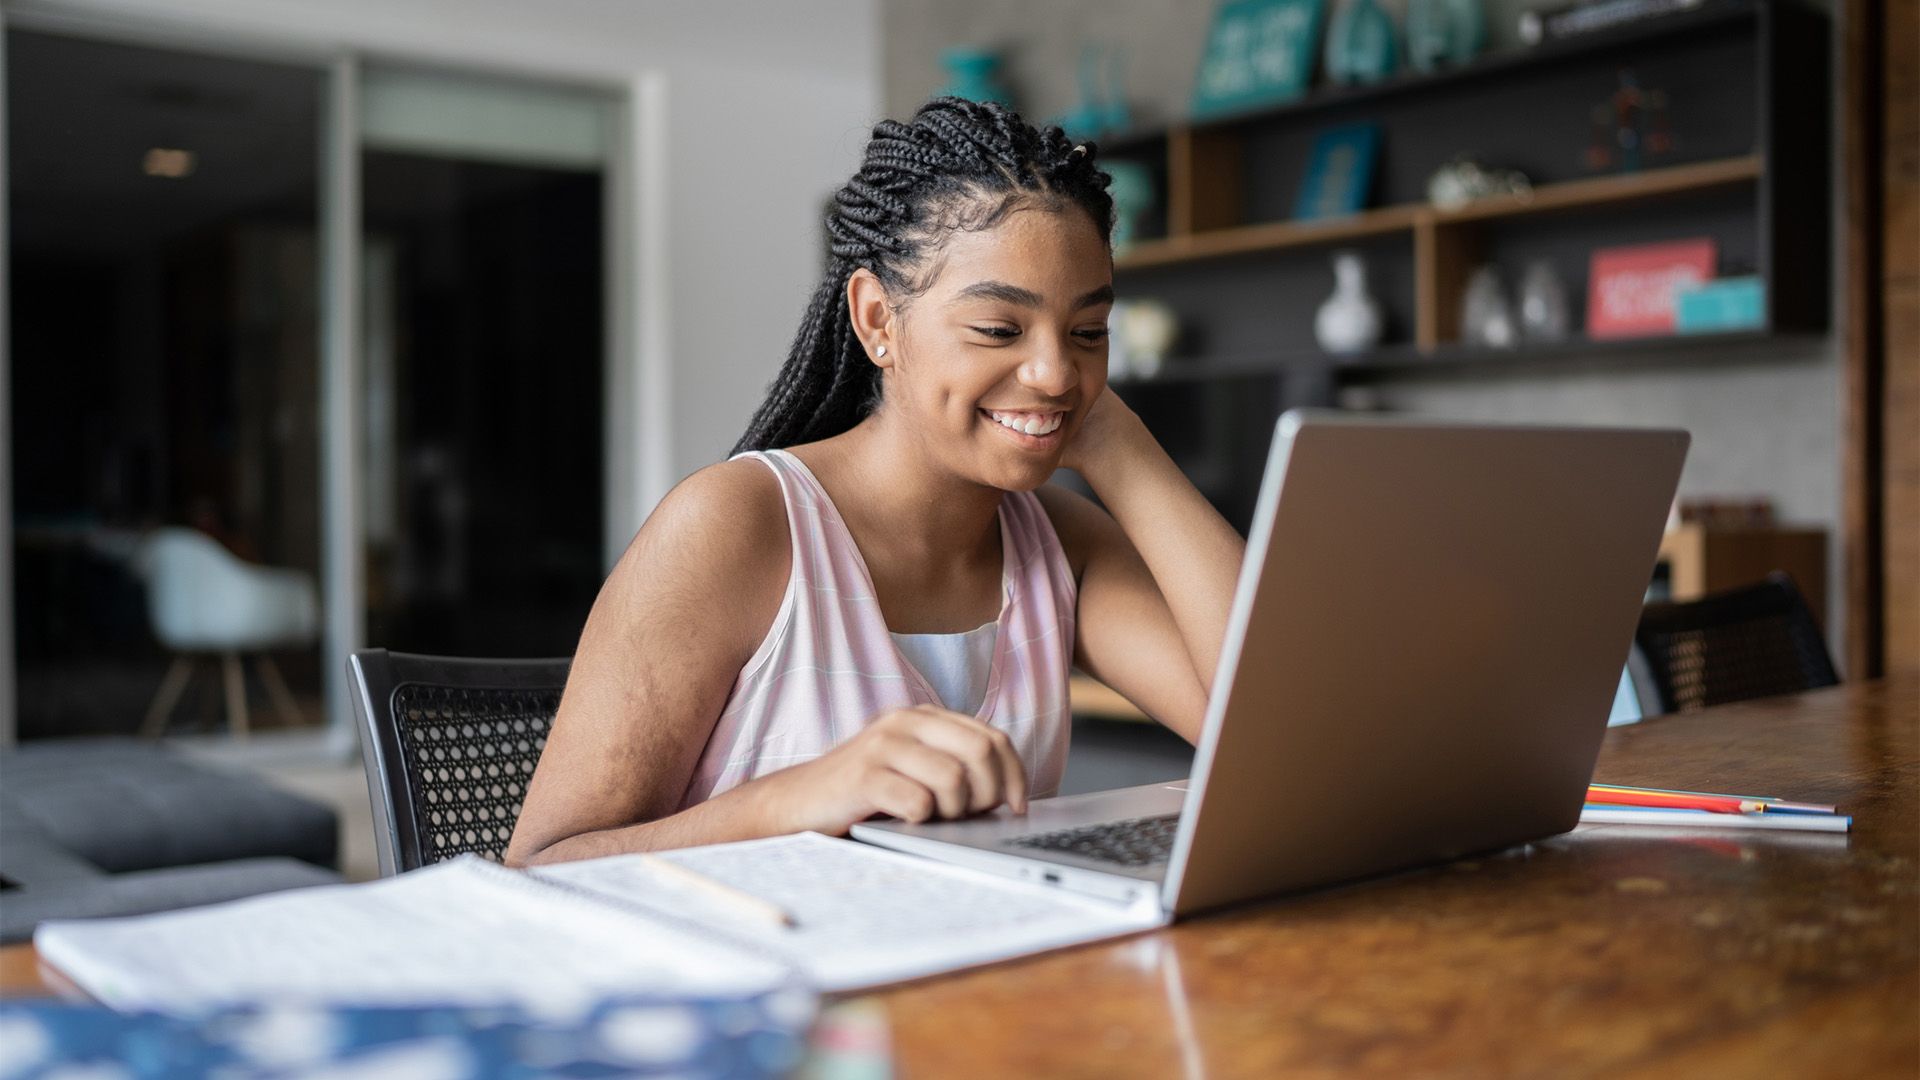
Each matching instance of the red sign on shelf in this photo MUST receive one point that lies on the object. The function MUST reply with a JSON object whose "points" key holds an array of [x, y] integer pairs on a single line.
{"points": [[1630, 289]]}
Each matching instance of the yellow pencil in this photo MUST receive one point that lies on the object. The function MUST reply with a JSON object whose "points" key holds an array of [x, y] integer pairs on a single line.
{"points": [[744, 902]]}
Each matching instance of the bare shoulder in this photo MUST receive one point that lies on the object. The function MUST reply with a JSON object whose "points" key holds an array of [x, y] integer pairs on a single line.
{"points": [[735, 504], [720, 535]]}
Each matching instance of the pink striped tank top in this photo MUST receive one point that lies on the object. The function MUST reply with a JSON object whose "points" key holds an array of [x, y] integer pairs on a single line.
{"points": [[828, 666]]}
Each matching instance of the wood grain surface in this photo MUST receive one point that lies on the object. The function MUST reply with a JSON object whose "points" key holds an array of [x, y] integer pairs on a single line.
{"points": [[1613, 950], [1617, 951]]}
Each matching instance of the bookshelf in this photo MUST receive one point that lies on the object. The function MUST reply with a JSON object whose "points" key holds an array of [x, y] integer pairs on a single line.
{"points": [[1445, 241], [1747, 86]]}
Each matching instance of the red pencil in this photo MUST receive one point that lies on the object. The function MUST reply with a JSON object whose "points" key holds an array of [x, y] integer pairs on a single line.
{"points": [[1719, 804], [1773, 805]]}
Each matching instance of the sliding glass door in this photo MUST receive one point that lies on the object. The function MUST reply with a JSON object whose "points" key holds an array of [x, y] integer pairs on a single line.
{"points": [[163, 363], [483, 251], [344, 325]]}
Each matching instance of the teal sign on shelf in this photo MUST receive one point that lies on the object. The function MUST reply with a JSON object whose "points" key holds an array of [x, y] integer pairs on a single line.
{"points": [[1736, 303], [1259, 52]]}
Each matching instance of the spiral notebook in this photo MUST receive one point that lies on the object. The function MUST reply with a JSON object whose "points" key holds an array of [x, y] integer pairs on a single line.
{"points": [[558, 939]]}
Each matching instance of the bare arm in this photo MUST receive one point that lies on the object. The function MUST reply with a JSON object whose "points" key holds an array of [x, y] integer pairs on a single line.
{"points": [[1158, 574], [682, 613]]}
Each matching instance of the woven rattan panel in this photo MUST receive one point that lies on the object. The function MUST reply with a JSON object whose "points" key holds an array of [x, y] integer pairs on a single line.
{"points": [[469, 754], [1735, 662]]}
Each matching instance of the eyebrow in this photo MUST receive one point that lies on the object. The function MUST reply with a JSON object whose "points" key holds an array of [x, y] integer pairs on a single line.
{"points": [[1027, 298]]}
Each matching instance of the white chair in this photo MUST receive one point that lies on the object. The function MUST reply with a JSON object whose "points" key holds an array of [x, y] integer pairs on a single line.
{"points": [[203, 600]]}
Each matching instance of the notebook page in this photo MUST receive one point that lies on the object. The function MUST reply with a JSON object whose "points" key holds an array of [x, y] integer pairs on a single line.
{"points": [[465, 932], [865, 915]]}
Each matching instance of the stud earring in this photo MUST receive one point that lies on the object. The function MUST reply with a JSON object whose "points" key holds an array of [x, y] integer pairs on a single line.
{"points": [[882, 351]]}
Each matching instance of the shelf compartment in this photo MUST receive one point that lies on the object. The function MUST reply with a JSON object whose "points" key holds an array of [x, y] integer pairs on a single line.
{"points": [[1450, 244], [1574, 352], [1620, 189], [1266, 237], [1566, 196]]}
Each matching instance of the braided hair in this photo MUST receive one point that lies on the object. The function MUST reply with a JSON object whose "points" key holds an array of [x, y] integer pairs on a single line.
{"points": [[956, 166]]}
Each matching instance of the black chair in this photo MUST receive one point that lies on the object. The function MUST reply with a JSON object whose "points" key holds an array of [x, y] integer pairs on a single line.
{"points": [[1745, 643], [449, 746]]}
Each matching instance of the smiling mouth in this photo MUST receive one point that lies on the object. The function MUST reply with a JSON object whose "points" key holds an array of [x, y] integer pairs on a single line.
{"points": [[1028, 423]]}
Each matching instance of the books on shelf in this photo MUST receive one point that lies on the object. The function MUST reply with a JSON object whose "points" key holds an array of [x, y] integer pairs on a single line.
{"points": [[1630, 289], [1538, 26]]}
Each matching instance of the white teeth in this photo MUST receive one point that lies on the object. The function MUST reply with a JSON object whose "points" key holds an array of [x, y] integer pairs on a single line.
{"points": [[1030, 423]]}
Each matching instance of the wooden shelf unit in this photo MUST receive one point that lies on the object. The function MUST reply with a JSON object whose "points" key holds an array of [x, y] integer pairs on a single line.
{"points": [[1447, 243], [1747, 83], [1620, 190], [1401, 359]]}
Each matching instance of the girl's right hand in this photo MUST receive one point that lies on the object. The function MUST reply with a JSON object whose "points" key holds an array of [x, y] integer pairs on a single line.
{"points": [[916, 764]]}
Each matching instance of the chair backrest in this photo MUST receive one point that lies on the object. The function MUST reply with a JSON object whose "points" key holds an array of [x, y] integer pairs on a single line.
{"points": [[1750, 642], [449, 745], [200, 596]]}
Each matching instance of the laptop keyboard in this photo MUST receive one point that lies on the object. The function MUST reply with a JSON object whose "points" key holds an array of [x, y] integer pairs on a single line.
{"points": [[1146, 841]]}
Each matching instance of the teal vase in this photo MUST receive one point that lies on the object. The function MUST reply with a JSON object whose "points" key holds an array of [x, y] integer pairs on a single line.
{"points": [[974, 74], [1444, 32], [1132, 191], [1360, 44]]}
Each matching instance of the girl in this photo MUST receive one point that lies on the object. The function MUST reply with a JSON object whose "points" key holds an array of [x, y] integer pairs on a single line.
{"points": [[873, 607]]}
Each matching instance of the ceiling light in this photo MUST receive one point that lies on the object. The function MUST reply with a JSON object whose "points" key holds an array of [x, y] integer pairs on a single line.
{"points": [[172, 164]]}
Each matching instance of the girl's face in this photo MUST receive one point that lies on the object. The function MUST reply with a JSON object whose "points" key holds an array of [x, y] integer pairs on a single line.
{"points": [[995, 365]]}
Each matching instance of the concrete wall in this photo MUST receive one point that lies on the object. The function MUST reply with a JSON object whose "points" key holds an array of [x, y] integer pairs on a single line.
{"points": [[1765, 420], [767, 103]]}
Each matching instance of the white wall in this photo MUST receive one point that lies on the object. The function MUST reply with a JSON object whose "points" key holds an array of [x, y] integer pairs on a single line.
{"points": [[767, 103], [755, 156]]}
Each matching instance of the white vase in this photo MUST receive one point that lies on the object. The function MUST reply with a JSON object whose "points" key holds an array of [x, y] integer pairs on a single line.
{"points": [[1543, 303], [1145, 331], [1349, 321], [1486, 319]]}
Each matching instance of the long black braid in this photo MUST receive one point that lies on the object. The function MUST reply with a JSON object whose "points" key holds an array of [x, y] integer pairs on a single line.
{"points": [[957, 165]]}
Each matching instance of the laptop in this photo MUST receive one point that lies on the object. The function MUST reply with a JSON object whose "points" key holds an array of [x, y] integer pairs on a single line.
{"points": [[1423, 651]]}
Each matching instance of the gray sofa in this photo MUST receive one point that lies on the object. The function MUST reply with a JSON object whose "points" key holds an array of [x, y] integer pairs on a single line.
{"points": [[102, 827]]}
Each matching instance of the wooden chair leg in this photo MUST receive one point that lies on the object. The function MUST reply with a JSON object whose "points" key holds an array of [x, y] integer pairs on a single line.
{"points": [[236, 681], [179, 673], [283, 702]]}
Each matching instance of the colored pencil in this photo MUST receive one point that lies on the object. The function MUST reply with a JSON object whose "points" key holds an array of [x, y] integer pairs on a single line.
{"points": [[1661, 797], [1719, 804], [1640, 815]]}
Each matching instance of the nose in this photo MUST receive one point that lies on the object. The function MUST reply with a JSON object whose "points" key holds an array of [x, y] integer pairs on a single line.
{"points": [[1049, 368]]}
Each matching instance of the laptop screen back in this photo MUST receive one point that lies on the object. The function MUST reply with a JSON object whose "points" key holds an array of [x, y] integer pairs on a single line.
{"points": [[1426, 644]]}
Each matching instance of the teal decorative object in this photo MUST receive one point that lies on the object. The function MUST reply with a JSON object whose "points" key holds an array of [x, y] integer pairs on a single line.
{"points": [[1735, 303], [1259, 52], [1360, 45], [1095, 116], [1339, 172], [974, 74], [1132, 191], [1444, 32]]}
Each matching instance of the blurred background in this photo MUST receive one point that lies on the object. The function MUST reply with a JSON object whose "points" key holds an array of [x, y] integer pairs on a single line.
{"points": [[389, 321]]}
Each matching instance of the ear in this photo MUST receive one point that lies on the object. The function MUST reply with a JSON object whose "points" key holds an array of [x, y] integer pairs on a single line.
{"points": [[872, 317]]}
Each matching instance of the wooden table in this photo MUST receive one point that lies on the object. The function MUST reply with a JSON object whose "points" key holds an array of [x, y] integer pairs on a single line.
{"points": [[1613, 951]]}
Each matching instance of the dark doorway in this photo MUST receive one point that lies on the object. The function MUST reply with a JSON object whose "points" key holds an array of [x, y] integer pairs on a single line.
{"points": [[484, 400], [164, 300]]}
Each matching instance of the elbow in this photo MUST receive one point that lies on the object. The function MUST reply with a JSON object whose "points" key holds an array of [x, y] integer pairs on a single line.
{"points": [[523, 851]]}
